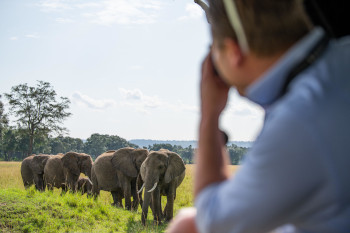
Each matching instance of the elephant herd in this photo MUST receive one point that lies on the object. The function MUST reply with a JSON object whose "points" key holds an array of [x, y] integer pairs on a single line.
{"points": [[124, 173]]}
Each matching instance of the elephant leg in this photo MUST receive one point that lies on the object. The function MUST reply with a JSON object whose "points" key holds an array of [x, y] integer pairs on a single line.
{"points": [[127, 195], [120, 198], [44, 183], [39, 182], [64, 189], [153, 207], [156, 206], [140, 199], [139, 184], [26, 185], [95, 189], [95, 192], [49, 187], [160, 207], [72, 179], [135, 196], [168, 211], [117, 199]]}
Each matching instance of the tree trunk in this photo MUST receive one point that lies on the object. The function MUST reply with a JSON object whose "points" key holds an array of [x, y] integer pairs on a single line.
{"points": [[31, 142]]}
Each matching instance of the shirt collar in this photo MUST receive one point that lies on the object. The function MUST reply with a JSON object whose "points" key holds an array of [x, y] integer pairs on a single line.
{"points": [[267, 88]]}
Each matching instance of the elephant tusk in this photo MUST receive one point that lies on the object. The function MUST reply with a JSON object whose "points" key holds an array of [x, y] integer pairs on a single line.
{"points": [[154, 186], [141, 188]]}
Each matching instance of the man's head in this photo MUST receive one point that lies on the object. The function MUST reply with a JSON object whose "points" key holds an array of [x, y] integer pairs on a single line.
{"points": [[270, 27]]}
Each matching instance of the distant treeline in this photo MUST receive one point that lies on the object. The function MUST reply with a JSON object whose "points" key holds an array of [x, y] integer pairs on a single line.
{"points": [[183, 143], [236, 153], [14, 146]]}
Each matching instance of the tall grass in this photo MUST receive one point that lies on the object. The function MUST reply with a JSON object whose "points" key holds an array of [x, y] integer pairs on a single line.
{"points": [[10, 175], [32, 211]]}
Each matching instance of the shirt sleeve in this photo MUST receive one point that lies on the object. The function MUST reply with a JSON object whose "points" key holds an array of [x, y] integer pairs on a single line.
{"points": [[275, 185]]}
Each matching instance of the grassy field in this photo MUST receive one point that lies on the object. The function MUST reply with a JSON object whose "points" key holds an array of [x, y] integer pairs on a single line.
{"points": [[31, 211]]}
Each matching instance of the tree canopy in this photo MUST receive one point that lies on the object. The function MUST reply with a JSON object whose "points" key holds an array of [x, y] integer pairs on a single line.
{"points": [[3, 124], [38, 110]]}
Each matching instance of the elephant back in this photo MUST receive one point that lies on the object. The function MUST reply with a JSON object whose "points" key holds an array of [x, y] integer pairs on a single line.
{"points": [[38, 163], [53, 171], [104, 173], [128, 161]]}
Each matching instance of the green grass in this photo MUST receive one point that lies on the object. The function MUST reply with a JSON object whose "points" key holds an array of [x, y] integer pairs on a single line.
{"points": [[32, 211]]}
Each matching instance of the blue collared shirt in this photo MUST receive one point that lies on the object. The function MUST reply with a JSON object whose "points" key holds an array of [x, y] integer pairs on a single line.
{"points": [[298, 170]]}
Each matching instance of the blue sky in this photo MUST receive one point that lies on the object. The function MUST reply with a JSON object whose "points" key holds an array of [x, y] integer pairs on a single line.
{"points": [[129, 67]]}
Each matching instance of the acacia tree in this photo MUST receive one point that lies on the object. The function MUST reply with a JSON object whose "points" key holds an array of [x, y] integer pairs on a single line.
{"points": [[38, 110], [3, 125]]}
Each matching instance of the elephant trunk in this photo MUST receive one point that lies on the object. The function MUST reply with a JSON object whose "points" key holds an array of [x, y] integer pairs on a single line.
{"points": [[150, 184], [88, 172], [153, 188], [41, 183], [145, 205]]}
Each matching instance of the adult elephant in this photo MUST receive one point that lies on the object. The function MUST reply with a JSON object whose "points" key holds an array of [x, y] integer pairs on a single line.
{"points": [[162, 172], [32, 171], [63, 171], [117, 171]]}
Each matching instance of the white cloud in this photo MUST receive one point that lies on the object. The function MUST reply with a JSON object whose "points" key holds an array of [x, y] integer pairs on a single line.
{"points": [[88, 5], [32, 36], [141, 102], [135, 67], [64, 20], [54, 5], [125, 12], [135, 94], [182, 107], [84, 100], [108, 12], [14, 38], [193, 11]]}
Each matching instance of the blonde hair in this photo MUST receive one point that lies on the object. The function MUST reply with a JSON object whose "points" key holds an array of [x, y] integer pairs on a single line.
{"points": [[270, 26]]}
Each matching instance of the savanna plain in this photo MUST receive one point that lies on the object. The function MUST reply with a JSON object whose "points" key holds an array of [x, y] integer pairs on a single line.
{"points": [[33, 211]]}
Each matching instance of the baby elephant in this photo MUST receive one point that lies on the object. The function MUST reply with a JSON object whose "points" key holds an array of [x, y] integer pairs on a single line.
{"points": [[83, 185]]}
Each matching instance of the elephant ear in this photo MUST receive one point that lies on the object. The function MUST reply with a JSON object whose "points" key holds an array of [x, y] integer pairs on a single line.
{"points": [[70, 161], [143, 169], [84, 162], [38, 163], [44, 160], [35, 165], [123, 161], [176, 166]]}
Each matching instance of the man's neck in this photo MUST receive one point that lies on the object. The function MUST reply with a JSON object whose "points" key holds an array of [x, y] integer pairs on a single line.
{"points": [[255, 66]]}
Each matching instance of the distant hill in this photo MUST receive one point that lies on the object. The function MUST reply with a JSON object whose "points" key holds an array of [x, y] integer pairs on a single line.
{"points": [[146, 142]]}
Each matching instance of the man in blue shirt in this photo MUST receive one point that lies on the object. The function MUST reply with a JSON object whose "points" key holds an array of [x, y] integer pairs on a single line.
{"points": [[295, 177]]}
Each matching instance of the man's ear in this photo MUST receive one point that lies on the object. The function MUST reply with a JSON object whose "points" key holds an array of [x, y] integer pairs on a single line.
{"points": [[233, 52]]}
